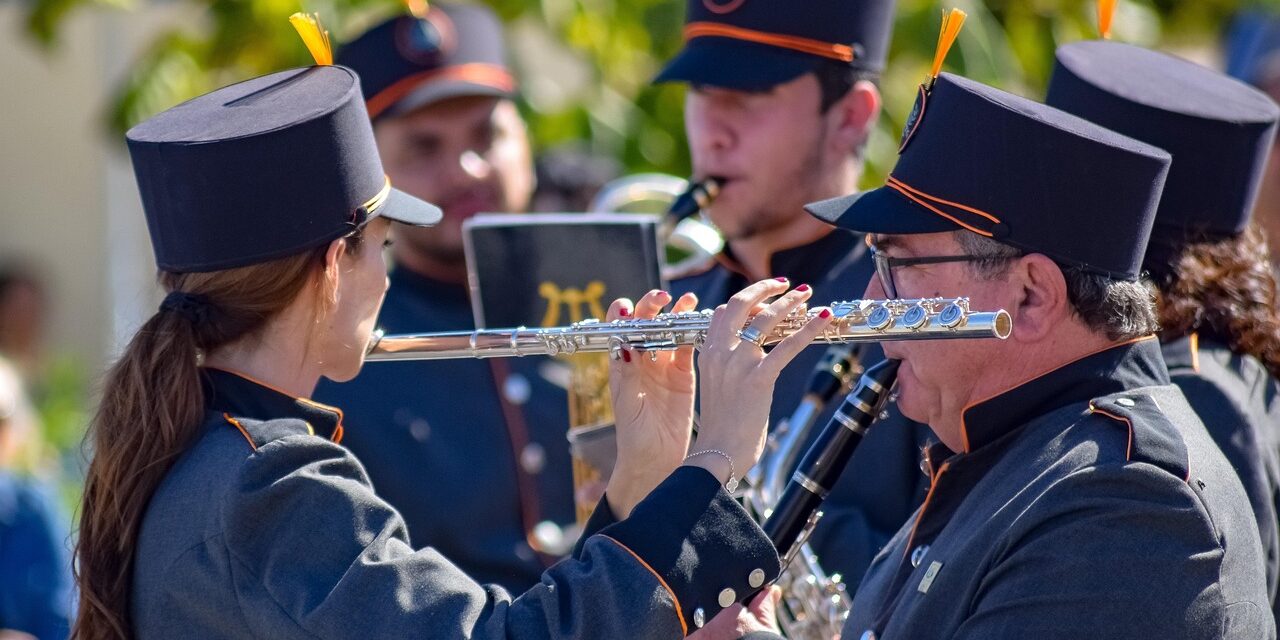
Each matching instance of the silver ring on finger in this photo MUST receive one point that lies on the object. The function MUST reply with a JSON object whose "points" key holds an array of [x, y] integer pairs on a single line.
{"points": [[752, 335]]}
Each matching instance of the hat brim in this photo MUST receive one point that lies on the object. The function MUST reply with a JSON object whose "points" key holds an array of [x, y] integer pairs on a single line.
{"points": [[404, 208], [735, 64], [434, 91], [884, 210]]}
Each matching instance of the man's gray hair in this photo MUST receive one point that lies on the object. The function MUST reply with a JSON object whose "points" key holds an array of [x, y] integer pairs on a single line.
{"points": [[1120, 309]]}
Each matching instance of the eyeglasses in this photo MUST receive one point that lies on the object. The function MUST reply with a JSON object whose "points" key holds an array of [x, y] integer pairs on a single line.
{"points": [[885, 264]]}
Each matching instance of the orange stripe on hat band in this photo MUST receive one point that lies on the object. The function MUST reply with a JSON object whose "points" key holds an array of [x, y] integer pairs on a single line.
{"points": [[490, 75], [841, 52], [920, 197]]}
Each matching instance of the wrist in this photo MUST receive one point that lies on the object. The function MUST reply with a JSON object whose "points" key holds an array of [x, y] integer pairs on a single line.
{"points": [[629, 485], [718, 463]]}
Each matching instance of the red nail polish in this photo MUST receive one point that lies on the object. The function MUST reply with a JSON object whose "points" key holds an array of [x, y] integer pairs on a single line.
{"points": [[664, 293], [803, 287], [626, 356], [826, 313], [624, 312], [780, 279]]}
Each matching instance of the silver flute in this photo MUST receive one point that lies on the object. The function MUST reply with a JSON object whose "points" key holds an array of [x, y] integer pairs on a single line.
{"points": [[854, 321]]}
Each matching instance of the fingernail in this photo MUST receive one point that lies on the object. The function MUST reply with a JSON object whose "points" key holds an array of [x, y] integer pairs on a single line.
{"points": [[780, 279], [626, 356], [624, 312], [664, 294], [803, 287], [826, 313]]}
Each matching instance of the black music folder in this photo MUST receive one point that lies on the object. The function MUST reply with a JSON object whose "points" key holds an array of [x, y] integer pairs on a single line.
{"points": [[554, 269]]}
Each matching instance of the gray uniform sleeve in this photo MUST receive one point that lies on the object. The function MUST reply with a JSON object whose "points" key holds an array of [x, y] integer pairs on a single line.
{"points": [[1124, 529], [316, 554]]}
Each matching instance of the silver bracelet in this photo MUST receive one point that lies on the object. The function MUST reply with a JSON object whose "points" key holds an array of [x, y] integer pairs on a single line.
{"points": [[732, 484]]}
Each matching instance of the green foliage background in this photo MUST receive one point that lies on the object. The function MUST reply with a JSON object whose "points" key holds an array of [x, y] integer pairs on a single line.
{"points": [[615, 46]]}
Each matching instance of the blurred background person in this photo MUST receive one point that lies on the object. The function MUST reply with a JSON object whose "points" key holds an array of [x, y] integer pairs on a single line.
{"points": [[1252, 49], [36, 595], [781, 125], [23, 318], [1219, 324], [471, 452]]}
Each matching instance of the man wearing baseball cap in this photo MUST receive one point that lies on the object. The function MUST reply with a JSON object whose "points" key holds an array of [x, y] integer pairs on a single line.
{"points": [[475, 461], [781, 102]]}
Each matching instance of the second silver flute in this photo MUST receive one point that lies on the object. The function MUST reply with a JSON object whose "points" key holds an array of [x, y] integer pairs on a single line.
{"points": [[855, 321]]}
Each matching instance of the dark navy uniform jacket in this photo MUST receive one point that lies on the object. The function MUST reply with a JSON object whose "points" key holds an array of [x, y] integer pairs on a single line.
{"points": [[472, 453], [1239, 402], [266, 527], [1092, 503], [883, 484]]}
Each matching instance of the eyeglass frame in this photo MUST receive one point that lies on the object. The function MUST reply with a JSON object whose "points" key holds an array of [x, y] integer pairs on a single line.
{"points": [[884, 265]]}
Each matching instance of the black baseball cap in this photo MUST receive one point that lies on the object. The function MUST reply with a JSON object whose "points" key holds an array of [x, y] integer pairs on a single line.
{"points": [[756, 44], [409, 62]]}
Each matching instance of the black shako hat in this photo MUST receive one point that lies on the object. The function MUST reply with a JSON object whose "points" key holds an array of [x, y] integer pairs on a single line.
{"points": [[1218, 130], [756, 44], [409, 62], [263, 169], [1017, 171]]}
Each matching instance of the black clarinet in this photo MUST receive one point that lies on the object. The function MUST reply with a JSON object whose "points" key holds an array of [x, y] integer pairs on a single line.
{"points": [[835, 374], [797, 509]]}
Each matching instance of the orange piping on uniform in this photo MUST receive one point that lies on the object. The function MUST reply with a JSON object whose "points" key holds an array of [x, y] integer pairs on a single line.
{"points": [[933, 483], [1194, 339], [964, 429], [478, 72], [936, 210], [841, 52], [941, 201], [1128, 451], [684, 628], [236, 423], [337, 432]]}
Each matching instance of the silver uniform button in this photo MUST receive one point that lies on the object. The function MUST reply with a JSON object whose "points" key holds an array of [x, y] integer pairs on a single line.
{"points": [[756, 578], [699, 617], [868, 635], [1124, 402], [420, 429], [917, 556], [727, 598], [533, 458], [516, 389]]}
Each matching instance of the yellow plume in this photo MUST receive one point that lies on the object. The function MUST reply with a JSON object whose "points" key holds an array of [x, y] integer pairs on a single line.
{"points": [[314, 36], [952, 21], [418, 8], [1106, 11]]}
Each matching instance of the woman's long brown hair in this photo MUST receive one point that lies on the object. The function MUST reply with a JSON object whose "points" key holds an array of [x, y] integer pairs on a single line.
{"points": [[1226, 289], [152, 408]]}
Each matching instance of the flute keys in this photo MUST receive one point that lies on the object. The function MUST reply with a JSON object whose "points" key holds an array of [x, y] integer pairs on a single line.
{"points": [[880, 318], [951, 316], [915, 317]]}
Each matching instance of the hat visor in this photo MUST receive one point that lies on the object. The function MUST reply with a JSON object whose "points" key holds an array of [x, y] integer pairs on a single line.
{"points": [[735, 64], [402, 207], [883, 210], [435, 91]]}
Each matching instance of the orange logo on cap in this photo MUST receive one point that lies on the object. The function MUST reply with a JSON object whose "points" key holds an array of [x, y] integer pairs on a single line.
{"points": [[722, 8]]}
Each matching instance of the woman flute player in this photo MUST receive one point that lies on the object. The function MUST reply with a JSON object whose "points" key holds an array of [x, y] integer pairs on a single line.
{"points": [[219, 500]]}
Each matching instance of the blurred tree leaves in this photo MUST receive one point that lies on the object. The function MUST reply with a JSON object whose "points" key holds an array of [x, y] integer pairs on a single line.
{"points": [[585, 64]]}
